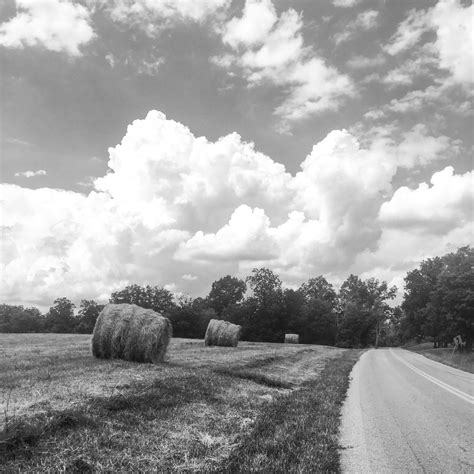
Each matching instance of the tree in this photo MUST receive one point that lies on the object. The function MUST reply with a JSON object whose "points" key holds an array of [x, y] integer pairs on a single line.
{"points": [[190, 317], [18, 319], [319, 288], [60, 317], [318, 322], [149, 297], [225, 292], [89, 311], [453, 296], [265, 322], [265, 285], [363, 310], [419, 284], [439, 298]]}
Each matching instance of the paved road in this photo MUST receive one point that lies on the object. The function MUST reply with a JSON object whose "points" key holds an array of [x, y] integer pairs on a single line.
{"points": [[407, 413]]}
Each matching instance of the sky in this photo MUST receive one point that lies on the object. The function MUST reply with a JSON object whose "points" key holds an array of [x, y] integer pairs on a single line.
{"points": [[174, 142]]}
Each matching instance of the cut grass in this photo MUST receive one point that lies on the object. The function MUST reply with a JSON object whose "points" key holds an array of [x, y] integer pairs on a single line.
{"points": [[70, 412], [459, 360], [298, 432]]}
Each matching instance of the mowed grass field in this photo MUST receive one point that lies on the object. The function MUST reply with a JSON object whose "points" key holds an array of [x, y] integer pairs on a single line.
{"points": [[459, 360], [260, 406]]}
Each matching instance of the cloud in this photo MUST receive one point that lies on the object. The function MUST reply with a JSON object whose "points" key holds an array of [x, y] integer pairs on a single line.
{"points": [[345, 3], [435, 209], [31, 174], [444, 96], [455, 38], [409, 32], [189, 277], [56, 25], [153, 16], [362, 62], [181, 211], [452, 48], [267, 49], [253, 27], [364, 21], [423, 64]]}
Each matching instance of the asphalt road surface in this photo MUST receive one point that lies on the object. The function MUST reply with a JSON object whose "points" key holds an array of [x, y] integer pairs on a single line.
{"points": [[405, 412]]}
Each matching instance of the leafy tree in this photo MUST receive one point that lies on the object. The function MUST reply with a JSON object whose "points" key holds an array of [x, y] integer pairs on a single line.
{"points": [[60, 317], [190, 317], [363, 310], [18, 319], [419, 284], [225, 292], [265, 320], [439, 298], [89, 311], [319, 288], [453, 298], [265, 285], [150, 297], [318, 322]]}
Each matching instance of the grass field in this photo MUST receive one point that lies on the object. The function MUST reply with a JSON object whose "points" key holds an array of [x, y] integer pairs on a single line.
{"points": [[459, 360], [267, 407]]}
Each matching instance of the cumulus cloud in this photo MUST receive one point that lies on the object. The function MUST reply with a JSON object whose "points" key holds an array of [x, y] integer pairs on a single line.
{"points": [[54, 24], [181, 211], [452, 47], [455, 38], [265, 48], [31, 174], [438, 208]]}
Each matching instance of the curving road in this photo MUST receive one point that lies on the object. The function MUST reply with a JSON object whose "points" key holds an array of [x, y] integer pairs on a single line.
{"points": [[405, 412]]}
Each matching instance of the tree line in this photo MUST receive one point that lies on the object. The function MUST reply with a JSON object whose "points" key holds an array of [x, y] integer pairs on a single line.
{"points": [[438, 305]]}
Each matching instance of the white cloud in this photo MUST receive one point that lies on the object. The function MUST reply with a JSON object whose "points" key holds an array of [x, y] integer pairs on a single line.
{"points": [[455, 38], [418, 148], [181, 211], [345, 3], [409, 32], [444, 96], [253, 27], [364, 21], [153, 16], [452, 48], [54, 24], [422, 64], [438, 208], [361, 62], [268, 49], [31, 174]]}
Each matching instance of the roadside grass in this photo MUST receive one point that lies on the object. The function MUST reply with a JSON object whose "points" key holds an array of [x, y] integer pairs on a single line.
{"points": [[459, 360], [66, 411], [299, 431]]}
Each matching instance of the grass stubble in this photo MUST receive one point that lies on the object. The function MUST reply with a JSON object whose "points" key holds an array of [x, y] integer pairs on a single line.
{"points": [[448, 356], [260, 407]]}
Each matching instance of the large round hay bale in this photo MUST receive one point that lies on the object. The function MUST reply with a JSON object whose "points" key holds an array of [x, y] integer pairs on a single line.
{"points": [[127, 331], [222, 333], [292, 339]]}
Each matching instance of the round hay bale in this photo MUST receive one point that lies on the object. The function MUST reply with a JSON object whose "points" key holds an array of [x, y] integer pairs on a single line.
{"points": [[222, 333], [292, 339], [129, 332]]}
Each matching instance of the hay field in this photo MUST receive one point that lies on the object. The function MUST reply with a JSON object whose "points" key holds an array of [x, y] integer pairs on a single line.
{"points": [[459, 360], [63, 409]]}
